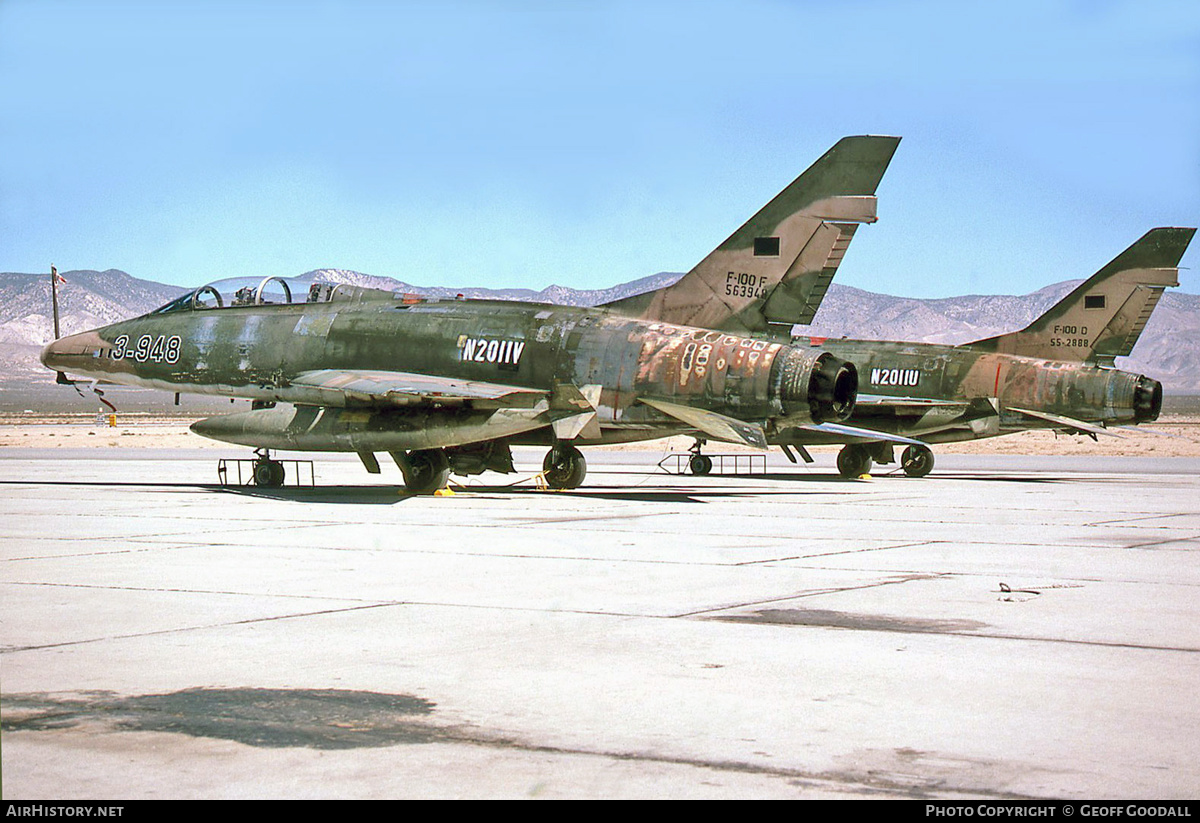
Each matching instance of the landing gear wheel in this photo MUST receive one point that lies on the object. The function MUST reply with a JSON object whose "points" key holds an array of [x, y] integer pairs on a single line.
{"points": [[700, 464], [564, 467], [268, 473], [426, 471], [854, 461], [917, 461]]}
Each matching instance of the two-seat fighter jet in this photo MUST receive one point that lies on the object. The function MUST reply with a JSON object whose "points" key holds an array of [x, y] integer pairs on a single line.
{"points": [[1057, 373], [449, 385]]}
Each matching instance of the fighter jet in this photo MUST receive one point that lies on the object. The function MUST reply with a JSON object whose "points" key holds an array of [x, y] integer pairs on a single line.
{"points": [[1056, 373], [449, 385]]}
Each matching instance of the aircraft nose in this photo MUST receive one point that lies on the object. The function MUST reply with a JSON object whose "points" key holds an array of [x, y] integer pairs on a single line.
{"points": [[51, 354], [71, 353]]}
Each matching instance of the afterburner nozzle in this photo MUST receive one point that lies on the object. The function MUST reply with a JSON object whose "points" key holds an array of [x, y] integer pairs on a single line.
{"points": [[1147, 400], [818, 383]]}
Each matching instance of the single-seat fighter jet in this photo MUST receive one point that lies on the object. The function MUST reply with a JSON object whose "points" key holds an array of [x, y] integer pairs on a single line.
{"points": [[450, 385]]}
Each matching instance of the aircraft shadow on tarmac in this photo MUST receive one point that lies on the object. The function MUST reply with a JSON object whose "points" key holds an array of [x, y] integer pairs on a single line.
{"points": [[690, 489], [390, 495]]}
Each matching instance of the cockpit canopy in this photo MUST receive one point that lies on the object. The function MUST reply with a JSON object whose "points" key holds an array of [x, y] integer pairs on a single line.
{"points": [[253, 291]]}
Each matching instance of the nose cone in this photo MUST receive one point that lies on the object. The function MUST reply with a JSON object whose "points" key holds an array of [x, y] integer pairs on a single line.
{"points": [[51, 356], [76, 353]]}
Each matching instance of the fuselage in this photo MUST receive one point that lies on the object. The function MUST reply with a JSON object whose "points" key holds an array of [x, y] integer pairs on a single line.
{"points": [[924, 371], [258, 352]]}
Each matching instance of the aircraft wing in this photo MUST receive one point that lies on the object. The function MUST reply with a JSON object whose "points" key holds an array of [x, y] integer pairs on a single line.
{"points": [[910, 404], [353, 387], [860, 433], [1066, 422], [1144, 430]]}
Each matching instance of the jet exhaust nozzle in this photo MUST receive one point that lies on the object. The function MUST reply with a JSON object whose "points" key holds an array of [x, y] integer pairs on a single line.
{"points": [[817, 382], [1147, 400]]}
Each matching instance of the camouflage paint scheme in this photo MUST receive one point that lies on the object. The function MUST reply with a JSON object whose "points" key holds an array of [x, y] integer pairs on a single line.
{"points": [[778, 265], [367, 371], [449, 384], [1056, 373]]}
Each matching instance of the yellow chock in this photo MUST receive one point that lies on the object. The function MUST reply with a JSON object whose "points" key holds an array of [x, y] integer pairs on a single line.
{"points": [[446, 492]]}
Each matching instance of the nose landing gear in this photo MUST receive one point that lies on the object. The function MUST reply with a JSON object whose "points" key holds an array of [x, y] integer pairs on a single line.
{"points": [[267, 472], [699, 464]]}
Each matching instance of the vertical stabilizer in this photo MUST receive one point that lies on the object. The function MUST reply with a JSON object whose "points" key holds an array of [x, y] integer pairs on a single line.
{"points": [[778, 265], [1103, 317]]}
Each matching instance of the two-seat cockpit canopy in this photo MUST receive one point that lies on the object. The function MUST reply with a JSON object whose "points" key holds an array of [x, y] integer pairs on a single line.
{"points": [[252, 291]]}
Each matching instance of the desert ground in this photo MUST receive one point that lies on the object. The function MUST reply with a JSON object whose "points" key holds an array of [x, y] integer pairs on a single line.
{"points": [[1175, 434]]}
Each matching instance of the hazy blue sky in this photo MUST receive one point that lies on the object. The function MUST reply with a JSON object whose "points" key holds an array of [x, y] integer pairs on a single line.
{"points": [[527, 143]]}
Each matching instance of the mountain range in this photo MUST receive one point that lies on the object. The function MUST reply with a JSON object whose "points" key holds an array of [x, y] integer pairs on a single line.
{"points": [[1169, 349]]}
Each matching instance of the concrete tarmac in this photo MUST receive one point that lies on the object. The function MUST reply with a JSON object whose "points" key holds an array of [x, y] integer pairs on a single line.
{"points": [[1005, 628]]}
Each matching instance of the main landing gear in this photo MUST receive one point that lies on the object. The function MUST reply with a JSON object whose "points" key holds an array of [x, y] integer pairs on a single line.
{"points": [[267, 472], [917, 461], [564, 467], [856, 459], [425, 471]]}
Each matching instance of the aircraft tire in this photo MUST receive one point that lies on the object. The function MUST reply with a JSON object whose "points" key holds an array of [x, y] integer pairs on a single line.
{"points": [[700, 464], [427, 470], [564, 467], [854, 461], [917, 461], [269, 474]]}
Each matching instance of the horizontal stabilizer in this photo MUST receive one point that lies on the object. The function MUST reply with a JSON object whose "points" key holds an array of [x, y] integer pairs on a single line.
{"points": [[1066, 422], [716, 426]]}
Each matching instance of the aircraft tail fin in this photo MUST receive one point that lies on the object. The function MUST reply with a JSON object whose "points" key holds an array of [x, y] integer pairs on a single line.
{"points": [[1103, 317], [776, 268]]}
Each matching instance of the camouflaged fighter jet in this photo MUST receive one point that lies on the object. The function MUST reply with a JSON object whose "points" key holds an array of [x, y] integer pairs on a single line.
{"points": [[449, 385], [1057, 373]]}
